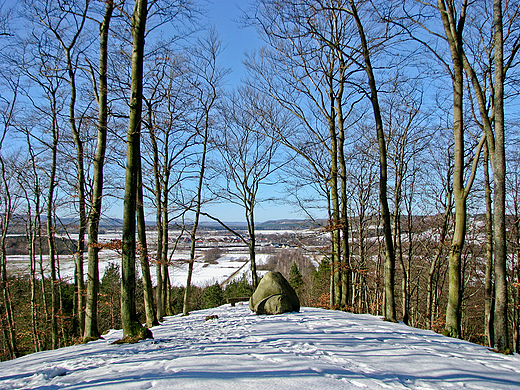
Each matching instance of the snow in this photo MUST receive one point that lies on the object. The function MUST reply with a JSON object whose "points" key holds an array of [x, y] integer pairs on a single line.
{"points": [[313, 349], [228, 267]]}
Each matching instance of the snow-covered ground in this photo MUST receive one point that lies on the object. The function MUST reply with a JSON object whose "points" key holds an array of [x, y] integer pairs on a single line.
{"points": [[228, 267], [313, 349]]}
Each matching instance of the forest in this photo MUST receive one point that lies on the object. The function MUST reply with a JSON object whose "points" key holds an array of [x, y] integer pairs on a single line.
{"points": [[391, 125]]}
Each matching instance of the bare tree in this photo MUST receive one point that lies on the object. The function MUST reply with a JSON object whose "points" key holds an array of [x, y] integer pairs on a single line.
{"points": [[407, 138], [248, 149], [166, 150], [131, 327], [7, 207], [490, 97], [390, 313], [306, 69], [205, 89], [44, 75], [513, 190], [149, 307], [91, 330], [453, 20], [60, 21]]}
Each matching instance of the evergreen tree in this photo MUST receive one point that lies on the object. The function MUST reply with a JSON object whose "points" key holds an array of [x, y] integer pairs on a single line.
{"points": [[295, 277], [238, 288], [213, 296], [109, 299]]}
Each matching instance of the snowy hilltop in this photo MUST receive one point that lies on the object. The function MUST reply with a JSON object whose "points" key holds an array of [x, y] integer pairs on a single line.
{"points": [[312, 349]]}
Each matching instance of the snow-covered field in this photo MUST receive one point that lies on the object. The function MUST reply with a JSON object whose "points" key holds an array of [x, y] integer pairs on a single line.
{"points": [[314, 349], [229, 266]]}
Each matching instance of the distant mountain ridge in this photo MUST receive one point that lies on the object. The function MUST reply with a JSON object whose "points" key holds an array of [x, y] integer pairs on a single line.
{"points": [[111, 224]]}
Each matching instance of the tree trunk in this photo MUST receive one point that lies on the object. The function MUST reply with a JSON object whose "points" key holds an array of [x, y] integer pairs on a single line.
{"points": [[8, 316], [389, 274], [198, 205], [131, 326], [453, 30], [50, 228], [166, 286], [151, 319], [516, 291], [433, 273], [335, 217], [91, 330], [78, 321], [489, 301], [499, 179], [346, 271], [78, 274], [158, 219], [250, 217]]}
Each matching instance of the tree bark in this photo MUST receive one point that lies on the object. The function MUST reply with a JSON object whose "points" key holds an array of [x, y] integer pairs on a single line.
{"points": [[8, 322], [50, 224], [78, 274], [499, 179], [489, 301], [91, 305], [389, 274], [453, 30], [346, 271], [198, 205], [250, 217], [131, 326], [158, 219], [151, 319]]}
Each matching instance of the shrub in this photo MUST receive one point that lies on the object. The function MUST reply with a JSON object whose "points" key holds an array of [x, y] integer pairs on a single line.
{"points": [[212, 255]]}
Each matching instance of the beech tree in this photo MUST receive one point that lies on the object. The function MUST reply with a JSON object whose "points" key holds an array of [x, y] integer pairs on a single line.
{"points": [[8, 208], [62, 22], [166, 151], [131, 326], [248, 151], [305, 70], [488, 89], [452, 21], [205, 83], [390, 313], [91, 330]]}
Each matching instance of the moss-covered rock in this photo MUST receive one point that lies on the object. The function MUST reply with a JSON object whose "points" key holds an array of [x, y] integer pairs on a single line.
{"points": [[274, 295]]}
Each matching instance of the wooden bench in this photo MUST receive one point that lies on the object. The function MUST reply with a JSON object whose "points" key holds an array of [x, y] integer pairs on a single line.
{"points": [[235, 300]]}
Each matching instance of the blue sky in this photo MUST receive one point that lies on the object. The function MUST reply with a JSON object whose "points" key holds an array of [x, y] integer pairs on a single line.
{"points": [[237, 40], [225, 16]]}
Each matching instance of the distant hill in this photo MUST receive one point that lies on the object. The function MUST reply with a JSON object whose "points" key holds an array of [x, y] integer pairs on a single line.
{"points": [[111, 224], [280, 224]]}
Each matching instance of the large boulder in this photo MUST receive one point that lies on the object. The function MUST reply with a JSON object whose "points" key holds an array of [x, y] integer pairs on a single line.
{"points": [[274, 295]]}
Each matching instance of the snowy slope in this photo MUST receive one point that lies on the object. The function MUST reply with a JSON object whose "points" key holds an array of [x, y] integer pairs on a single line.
{"points": [[314, 349]]}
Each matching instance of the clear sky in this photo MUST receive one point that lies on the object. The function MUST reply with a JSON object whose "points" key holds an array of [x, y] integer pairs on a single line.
{"points": [[225, 15], [236, 39]]}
